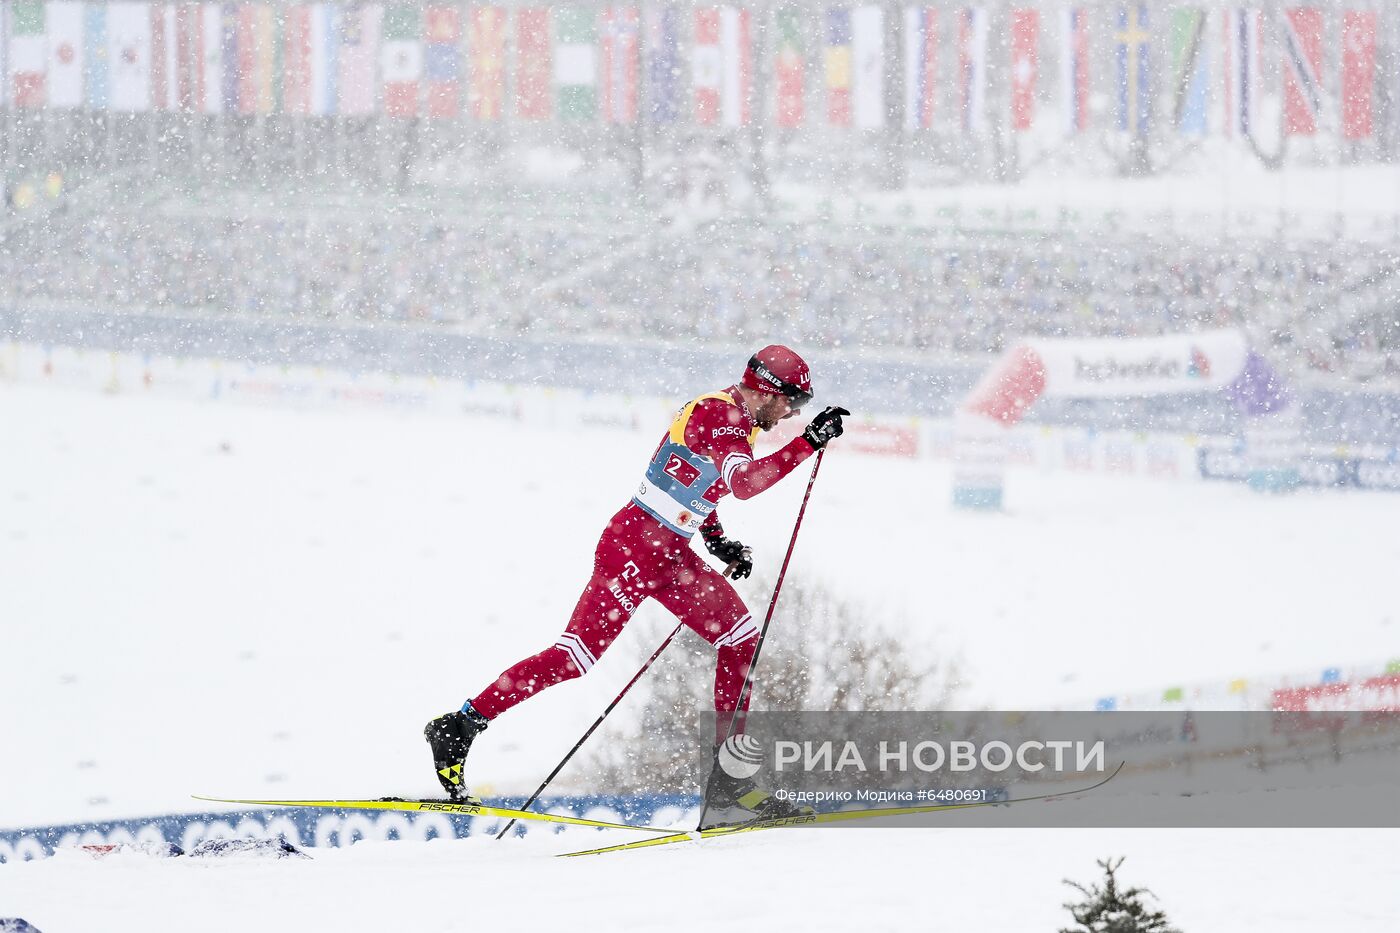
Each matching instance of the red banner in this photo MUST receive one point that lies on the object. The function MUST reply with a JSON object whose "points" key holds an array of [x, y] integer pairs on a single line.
{"points": [[1358, 72], [1025, 33], [1375, 694]]}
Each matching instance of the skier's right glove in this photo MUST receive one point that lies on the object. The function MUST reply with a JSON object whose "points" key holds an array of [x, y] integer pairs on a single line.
{"points": [[733, 554], [825, 427]]}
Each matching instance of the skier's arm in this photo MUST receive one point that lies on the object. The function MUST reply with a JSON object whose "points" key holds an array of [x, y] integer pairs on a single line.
{"points": [[747, 477], [711, 529], [737, 558]]}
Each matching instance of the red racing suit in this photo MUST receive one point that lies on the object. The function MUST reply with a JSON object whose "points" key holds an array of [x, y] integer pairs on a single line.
{"points": [[644, 553]]}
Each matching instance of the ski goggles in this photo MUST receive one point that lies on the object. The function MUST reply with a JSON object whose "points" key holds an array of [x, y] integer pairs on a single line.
{"points": [[795, 394]]}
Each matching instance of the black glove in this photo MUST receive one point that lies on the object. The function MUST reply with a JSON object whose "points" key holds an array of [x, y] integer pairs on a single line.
{"points": [[732, 552], [824, 427]]}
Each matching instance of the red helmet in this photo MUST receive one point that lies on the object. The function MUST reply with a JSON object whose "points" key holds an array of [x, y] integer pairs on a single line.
{"points": [[779, 371]]}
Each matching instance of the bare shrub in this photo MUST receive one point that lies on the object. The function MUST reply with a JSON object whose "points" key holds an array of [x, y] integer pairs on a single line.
{"points": [[823, 652]]}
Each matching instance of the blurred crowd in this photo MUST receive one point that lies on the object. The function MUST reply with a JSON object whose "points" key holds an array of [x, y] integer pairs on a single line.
{"points": [[323, 270], [924, 292]]}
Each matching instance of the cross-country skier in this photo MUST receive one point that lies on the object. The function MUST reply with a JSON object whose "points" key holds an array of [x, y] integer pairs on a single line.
{"points": [[644, 553]]}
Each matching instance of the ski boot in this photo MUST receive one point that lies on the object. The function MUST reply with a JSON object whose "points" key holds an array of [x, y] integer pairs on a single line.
{"points": [[731, 801], [450, 737]]}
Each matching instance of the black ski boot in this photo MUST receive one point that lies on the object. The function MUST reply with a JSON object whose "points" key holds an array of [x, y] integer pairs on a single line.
{"points": [[730, 801], [450, 737]]}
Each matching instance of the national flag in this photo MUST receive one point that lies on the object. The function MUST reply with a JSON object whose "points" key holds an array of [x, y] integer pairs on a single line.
{"points": [[868, 57], [246, 60], [229, 58], [838, 66], [266, 53], [256, 45], [736, 76], [920, 66], [972, 69], [486, 56], [96, 57], [401, 60], [296, 60], [1243, 29], [209, 59], [575, 65], [325, 58], [129, 52], [1358, 72], [1025, 39], [65, 65], [310, 43], [1190, 81], [28, 53], [621, 47], [1134, 86], [357, 59], [533, 63], [1301, 29], [1074, 68], [187, 74], [663, 26], [705, 63], [165, 81], [442, 67], [789, 67]]}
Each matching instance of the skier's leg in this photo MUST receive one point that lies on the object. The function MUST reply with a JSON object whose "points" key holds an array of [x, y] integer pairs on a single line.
{"points": [[625, 569], [597, 620], [707, 603]]}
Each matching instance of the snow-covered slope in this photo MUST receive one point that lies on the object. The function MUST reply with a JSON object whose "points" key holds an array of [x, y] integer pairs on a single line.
{"points": [[206, 598]]}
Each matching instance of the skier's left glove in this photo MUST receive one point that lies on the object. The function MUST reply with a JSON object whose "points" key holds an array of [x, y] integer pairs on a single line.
{"points": [[825, 427], [733, 554]]}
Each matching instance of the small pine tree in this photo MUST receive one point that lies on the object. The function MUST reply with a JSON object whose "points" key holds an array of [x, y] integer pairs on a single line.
{"points": [[1108, 910]]}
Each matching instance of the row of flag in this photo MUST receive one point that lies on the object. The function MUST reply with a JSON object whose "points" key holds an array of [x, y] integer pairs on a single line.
{"points": [[614, 62]]}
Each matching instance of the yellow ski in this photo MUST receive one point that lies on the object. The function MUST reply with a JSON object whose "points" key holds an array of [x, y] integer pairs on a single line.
{"points": [[469, 807], [839, 816]]}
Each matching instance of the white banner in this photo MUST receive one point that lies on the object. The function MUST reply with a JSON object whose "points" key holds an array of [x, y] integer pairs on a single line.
{"points": [[1114, 368]]}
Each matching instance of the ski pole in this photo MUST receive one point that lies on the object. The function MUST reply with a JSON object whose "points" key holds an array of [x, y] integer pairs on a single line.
{"points": [[598, 722], [763, 632], [777, 588]]}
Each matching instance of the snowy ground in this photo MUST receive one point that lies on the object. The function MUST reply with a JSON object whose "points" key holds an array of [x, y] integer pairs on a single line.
{"points": [[203, 598], [206, 598], [990, 881]]}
